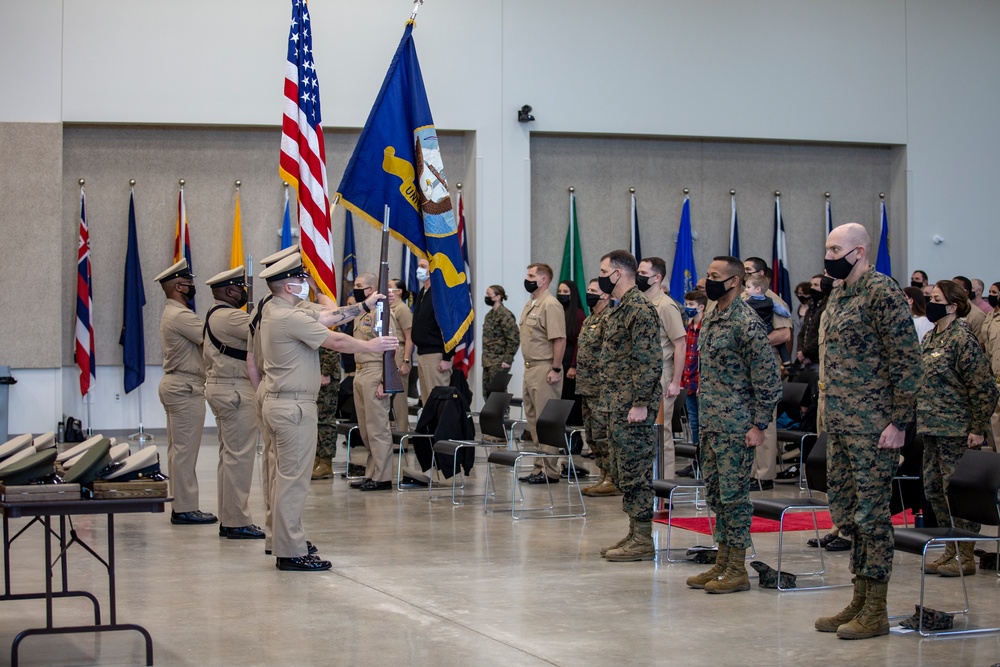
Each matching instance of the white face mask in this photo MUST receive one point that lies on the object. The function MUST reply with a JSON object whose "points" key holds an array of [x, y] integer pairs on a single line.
{"points": [[303, 292], [423, 274]]}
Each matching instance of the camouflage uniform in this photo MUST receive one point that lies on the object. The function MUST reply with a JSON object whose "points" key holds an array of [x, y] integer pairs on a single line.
{"points": [[631, 364], [501, 339], [326, 404], [870, 369], [991, 344], [739, 386], [588, 385], [956, 399]]}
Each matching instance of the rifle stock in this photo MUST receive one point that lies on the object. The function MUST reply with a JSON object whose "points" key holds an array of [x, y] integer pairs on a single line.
{"points": [[392, 382]]}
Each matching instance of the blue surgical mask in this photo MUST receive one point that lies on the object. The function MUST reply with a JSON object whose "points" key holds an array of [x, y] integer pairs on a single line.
{"points": [[691, 312]]}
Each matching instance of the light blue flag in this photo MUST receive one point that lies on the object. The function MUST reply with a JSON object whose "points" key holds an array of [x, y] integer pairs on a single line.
{"points": [[684, 276], [397, 163], [883, 263]]}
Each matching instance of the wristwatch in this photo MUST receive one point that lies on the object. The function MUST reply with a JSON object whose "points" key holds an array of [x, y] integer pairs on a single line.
{"points": [[406, 361], [761, 425], [557, 370], [902, 426]]}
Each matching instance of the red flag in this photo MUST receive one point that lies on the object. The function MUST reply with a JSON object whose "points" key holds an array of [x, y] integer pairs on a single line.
{"points": [[465, 351], [84, 306]]}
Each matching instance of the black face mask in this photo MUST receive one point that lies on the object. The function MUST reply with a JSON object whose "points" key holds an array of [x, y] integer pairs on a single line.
{"points": [[839, 268], [489, 302], [716, 289], [564, 299], [359, 294], [189, 291], [825, 285], [642, 282], [918, 285], [605, 284], [994, 300], [816, 294], [530, 286], [242, 301], [592, 300], [936, 311]]}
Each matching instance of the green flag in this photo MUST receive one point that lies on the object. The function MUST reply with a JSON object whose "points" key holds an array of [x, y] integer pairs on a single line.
{"points": [[572, 264]]}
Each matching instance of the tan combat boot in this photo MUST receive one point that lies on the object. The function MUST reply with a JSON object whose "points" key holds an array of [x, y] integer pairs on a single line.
{"points": [[721, 561], [831, 623], [735, 578], [605, 488], [588, 490], [640, 547], [949, 554], [873, 619], [965, 564], [620, 543], [322, 469]]}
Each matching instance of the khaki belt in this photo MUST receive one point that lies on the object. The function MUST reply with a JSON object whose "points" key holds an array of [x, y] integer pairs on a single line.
{"points": [[227, 380], [537, 362], [294, 395], [187, 375]]}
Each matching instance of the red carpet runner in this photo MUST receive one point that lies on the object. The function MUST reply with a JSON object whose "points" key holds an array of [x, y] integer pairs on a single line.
{"points": [[793, 521]]}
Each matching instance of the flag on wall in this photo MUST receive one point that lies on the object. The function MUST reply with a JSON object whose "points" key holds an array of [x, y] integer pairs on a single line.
{"points": [[635, 247], [572, 262], [132, 338], [684, 274], [465, 351], [829, 217], [286, 224], [734, 230], [349, 268], [883, 263], [780, 284], [236, 256], [397, 163], [84, 306], [303, 154], [182, 238]]}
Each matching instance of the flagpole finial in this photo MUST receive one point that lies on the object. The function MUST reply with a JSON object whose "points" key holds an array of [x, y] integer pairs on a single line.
{"points": [[416, 8], [80, 182], [777, 193], [285, 183], [687, 191], [632, 190], [826, 194], [132, 182], [572, 189], [238, 183], [458, 185], [732, 192], [881, 195], [182, 182]]}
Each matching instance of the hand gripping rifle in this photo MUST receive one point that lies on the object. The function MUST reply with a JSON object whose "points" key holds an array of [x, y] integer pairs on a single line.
{"points": [[392, 383]]}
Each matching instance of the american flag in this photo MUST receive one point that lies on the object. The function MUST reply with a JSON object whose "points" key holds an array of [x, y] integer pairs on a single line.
{"points": [[84, 306], [182, 237], [465, 351], [303, 155]]}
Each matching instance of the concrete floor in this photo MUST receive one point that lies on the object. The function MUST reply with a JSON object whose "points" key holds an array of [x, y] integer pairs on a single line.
{"points": [[416, 582]]}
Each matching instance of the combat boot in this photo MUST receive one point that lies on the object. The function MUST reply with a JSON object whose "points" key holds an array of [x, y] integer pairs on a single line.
{"points": [[949, 554], [640, 547], [735, 578], [831, 623], [721, 561], [873, 619], [588, 490], [606, 488], [965, 564], [322, 469], [620, 543]]}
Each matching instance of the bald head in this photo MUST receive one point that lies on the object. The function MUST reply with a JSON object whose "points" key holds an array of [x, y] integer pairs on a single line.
{"points": [[852, 235]]}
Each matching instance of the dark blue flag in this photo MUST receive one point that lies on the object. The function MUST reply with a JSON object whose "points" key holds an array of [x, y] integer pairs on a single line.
{"points": [[684, 275], [286, 225], [734, 230], [397, 163], [349, 267], [132, 339], [408, 270], [883, 263]]}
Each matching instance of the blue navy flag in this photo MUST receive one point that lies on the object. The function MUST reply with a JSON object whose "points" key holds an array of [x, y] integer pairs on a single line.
{"points": [[408, 270], [286, 225], [132, 339], [829, 217], [397, 163], [883, 263], [734, 230], [781, 284], [635, 244], [684, 275], [349, 268]]}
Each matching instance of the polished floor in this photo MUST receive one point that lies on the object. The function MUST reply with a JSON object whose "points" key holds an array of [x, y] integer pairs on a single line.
{"points": [[419, 582]]}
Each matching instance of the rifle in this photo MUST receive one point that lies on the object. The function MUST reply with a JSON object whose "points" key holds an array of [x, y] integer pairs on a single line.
{"points": [[248, 270], [392, 383]]}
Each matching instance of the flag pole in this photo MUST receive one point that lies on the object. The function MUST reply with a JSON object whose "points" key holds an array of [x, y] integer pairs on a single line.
{"points": [[572, 244], [416, 8], [140, 436]]}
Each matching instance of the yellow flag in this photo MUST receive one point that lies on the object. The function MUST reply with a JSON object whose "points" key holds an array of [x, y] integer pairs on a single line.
{"points": [[237, 258]]}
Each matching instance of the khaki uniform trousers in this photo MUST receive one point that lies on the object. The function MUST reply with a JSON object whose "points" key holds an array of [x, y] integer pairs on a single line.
{"points": [[536, 393], [233, 404], [429, 376], [995, 424], [183, 398], [399, 405], [292, 423], [267, 463], [765, 457], [373, 421], [667, 447]]}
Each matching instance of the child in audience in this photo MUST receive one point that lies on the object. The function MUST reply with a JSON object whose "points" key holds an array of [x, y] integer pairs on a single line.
{"points": [[765, 307]]}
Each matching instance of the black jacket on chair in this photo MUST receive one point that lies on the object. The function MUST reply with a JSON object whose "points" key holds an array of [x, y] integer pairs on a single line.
{"points": [[446, 416]]}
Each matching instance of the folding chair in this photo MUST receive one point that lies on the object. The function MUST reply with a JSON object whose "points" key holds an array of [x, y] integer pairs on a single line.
{"points": [[667, 489], [909, 474], [401, 438], [490, 424], [686, 447], [776, 508], [793, 398], [551, 432], [972, 495]]}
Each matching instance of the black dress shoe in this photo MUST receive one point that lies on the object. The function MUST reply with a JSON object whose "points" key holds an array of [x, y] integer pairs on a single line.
{"points": [[788, 476], [839, 544], [356, 484], [823, 541], [250, 532], [308, 563], [372, 485], [580, 472], [309, 546], [762, 484], [539, 478], [686, 472], [192, 517]]}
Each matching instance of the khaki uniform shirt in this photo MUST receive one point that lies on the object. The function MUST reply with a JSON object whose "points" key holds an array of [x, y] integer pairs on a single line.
{"points": [[870, 365], [542, 321], [253, 340], [631, 357], [231, 328], [364, 329], [403, 320], [975, 319], [181, 337], [958, 393], [289, 338], [588, 354], [671, 328], [500, 337], [991, 342]]}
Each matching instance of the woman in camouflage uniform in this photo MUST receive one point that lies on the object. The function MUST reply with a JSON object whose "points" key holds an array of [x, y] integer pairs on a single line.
{"points": [[501, 337], [953, 411]]}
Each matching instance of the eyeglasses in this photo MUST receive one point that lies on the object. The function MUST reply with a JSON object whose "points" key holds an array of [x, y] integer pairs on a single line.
{"points": [[395, 290]]}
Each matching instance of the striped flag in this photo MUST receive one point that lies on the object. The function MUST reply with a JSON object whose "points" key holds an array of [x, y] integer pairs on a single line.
{"points": [[780, 285], [635, 247], [84, 306], [465, 351], [883, 263], [829, 217], [182, 238], [303, 154], [734, 230], [236, 256]]}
